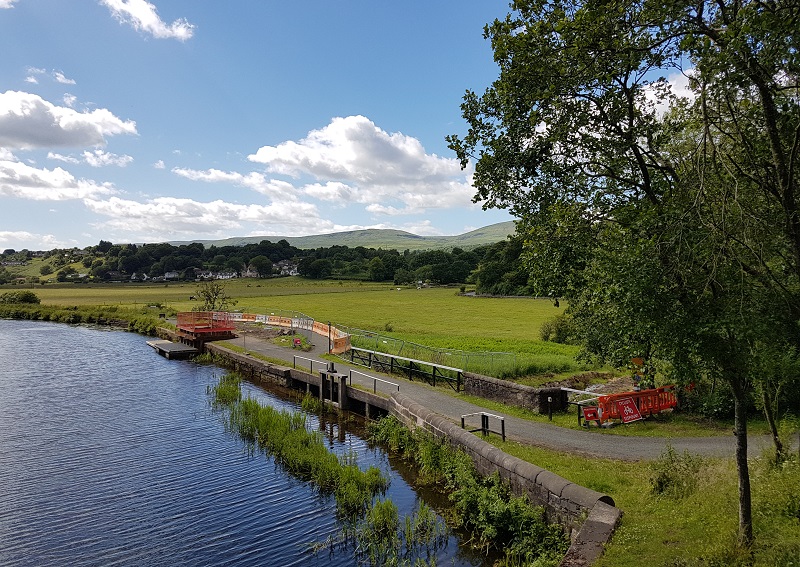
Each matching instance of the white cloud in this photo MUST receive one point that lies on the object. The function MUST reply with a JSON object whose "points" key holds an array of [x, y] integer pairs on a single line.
{"points": [[22, 239], [61, 157], [4, 4], [143, 16], [678, 84], [28, 121], [358, 162], [379, 209], [159, 164], [255, 181], [169, 218], [70, 100], [25, 182], [31, 79], [99, 158], [60, 78], [333, 191]]}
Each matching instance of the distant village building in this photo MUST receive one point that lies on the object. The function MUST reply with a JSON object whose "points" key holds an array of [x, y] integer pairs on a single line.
{"points": [[287, 268]]}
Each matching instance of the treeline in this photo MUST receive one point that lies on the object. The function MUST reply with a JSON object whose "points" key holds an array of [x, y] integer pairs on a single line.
{"points": [[493, 269]]}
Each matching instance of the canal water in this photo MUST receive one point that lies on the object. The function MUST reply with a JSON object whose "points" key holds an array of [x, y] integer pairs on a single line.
{"points": [[112, 455]]}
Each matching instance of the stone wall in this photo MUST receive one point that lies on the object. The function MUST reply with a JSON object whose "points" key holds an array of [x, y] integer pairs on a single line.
{"points": [[513, 394]]}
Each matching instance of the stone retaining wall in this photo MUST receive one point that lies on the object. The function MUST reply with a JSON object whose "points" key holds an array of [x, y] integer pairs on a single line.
{"points": [[513, 394], [590, 516]]}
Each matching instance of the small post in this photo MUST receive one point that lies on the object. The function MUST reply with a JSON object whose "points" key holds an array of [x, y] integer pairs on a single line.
{"points": [[343, 403], [550, 408], [329, 337], [503, 428]]}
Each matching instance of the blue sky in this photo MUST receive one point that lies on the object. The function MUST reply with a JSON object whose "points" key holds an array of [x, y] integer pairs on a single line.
{"points": [[163, 120]]}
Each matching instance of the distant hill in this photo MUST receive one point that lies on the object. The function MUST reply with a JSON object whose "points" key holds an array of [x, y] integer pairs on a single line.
{"points": [[377, 238]]}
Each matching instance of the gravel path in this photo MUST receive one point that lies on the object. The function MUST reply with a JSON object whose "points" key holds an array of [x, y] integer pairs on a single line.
{"points": [[452, 406]]}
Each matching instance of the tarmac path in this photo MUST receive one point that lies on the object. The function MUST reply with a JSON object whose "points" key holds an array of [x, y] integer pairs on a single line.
{"points": [[451, 405]]}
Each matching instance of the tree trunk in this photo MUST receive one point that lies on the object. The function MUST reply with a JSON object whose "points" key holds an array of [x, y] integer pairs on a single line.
{"points": [[745, 500], [766, 400]]}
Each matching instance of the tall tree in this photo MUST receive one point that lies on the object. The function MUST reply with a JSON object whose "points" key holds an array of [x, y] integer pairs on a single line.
{"points": [[675, 221], [214, 296]]}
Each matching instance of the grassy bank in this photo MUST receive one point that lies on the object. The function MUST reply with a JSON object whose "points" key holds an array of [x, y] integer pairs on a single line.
{"points": [[691, 521], [138, 321]]}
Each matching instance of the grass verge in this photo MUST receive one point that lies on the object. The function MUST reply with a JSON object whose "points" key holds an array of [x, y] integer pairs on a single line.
{"points": [[693, 529]]}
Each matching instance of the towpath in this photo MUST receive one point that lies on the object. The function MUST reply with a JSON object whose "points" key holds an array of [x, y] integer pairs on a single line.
{"points": [[453, 406]]}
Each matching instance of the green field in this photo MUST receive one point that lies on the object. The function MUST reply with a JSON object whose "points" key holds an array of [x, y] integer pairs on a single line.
{"points": [[434, 317]]}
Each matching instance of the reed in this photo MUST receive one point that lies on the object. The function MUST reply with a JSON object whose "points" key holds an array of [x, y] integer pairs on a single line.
{"points": [[497, 520], [302, 453]]}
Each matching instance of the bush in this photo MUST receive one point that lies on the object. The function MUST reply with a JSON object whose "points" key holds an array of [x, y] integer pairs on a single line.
{"points": [[559, 329], [20, 297], [675, 475]]}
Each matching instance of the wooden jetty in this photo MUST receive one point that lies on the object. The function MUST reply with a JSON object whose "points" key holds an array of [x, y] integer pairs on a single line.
{"points": [[172, 350]]}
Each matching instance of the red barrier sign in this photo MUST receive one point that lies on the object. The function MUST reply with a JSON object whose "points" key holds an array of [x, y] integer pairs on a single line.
{"points": [[590, 413], [627, 410]]}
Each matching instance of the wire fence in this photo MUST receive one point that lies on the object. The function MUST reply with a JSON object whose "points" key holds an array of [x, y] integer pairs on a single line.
{"points": [[490, 363], [479, 362]]}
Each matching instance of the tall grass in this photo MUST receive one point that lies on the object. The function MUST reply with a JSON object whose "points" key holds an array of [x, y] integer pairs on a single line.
{"points": [[302, 452], [370, 525], [485, 506], [671, 523]]}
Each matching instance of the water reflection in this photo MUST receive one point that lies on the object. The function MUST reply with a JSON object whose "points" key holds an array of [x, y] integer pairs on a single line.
{"points": [[111, 455]]}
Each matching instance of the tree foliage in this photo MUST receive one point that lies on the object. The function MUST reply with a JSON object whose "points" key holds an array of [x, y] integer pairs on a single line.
{"points": [[670, 223], [214, 297]]}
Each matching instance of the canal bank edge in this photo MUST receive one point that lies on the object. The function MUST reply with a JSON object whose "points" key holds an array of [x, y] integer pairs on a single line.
{"points": [[589, 516]]}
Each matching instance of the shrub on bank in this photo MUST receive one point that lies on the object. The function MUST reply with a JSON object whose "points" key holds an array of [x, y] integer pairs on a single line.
{"points": [[19, 297], [131, 321]]}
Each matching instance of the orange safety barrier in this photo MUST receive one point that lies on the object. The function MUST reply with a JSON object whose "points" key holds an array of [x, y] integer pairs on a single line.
{"points": [[649, 402]]}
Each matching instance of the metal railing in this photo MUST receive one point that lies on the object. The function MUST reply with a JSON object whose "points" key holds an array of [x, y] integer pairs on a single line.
{"points": [[310, 360], [484, 428], [410, 367], [375, 381]]}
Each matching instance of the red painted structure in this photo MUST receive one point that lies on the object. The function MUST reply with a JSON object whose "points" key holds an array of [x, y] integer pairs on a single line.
{"points": [[196, 327]]}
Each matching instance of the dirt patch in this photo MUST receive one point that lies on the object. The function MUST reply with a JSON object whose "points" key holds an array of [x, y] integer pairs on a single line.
{"points": [[260, 331], [584, 381]]}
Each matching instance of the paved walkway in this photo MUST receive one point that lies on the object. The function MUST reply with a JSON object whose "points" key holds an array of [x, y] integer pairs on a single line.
{"points": [[452, 406]]}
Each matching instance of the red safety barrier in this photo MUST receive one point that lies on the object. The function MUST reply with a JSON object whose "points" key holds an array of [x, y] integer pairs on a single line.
{"points": [[649, 402], [205, 321]]}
